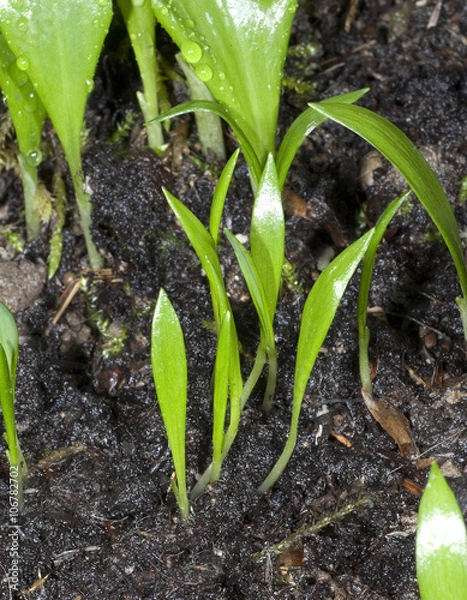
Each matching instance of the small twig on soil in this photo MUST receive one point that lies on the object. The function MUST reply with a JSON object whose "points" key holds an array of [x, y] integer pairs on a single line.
{"points": [[308, 530]]}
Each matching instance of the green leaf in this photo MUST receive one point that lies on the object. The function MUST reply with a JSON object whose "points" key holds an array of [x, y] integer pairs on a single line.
{"points": [[229, 44], [441, 547], [220, 194], [318, 315], [207, 106], [221, 391], [169, 369], [57, 43], [203, 245], [409, 161], [27, 114], [267, 236], [303, 126], [365, 282], [255, 287]]}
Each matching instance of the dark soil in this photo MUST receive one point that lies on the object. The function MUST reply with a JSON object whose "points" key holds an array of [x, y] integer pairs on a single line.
{"points": [[100, 520]]}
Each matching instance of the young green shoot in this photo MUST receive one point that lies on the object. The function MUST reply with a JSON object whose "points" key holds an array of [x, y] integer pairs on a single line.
{"points": [[318, 315], [262, 270], [441, 546], [8, 361], [228, 384], [169, 370], [409, 161], [365, 282], [28, 115], [141, 25], [57, 43]]}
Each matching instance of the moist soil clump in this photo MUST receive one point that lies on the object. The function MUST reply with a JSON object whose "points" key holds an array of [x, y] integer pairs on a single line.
{"points": [[100, 520]]}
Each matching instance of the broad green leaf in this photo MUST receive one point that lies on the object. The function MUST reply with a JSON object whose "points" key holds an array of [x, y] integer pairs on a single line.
{"points": [[303, 126], [169, 369], [267, 236], [441, 547], [228, 43], [318, 315], [220, 194], [409, 161], [365, 282], [57, 43], [27, 114]]}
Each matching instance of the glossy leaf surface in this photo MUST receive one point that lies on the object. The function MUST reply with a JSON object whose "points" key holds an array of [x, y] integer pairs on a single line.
{"points": [[238, 48], [441, 547], [169, 369], [318, 315]]}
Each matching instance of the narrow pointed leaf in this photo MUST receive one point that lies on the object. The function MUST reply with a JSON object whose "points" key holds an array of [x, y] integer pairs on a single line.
{"points": [[169, 369], [365, 282], [441, 547], [220, 194], [406, 157], [300, 128], [318, 315], [267, 235]]}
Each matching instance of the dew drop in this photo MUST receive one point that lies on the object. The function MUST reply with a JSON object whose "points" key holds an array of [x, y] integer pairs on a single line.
{"points": [[191, 51], [221, 75], [164, 10], [89, 85], [22, 24], [190, 23], [22, 62], [138, 3], [204, 72], [102, 3], [31, 103], [34, 158]]}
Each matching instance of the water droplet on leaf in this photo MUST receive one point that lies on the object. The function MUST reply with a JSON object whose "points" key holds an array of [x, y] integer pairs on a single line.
{"points": [[191, 51], [221, 75], [204, 72], [34, 158], [89, 85], [22, 62], [102, 3], [22, 24]]}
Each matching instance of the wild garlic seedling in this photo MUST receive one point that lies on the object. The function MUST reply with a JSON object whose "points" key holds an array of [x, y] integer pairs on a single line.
{"points": [[441, 546], [169, 370], [141, 25], [57, 44], [228, 385], [237, 48], [28, 115], [318, 315], [262, 270], [8, 362]]}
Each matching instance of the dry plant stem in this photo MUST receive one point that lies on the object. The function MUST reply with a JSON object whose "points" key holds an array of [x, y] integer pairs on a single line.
{"points": [[309, 530]]}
